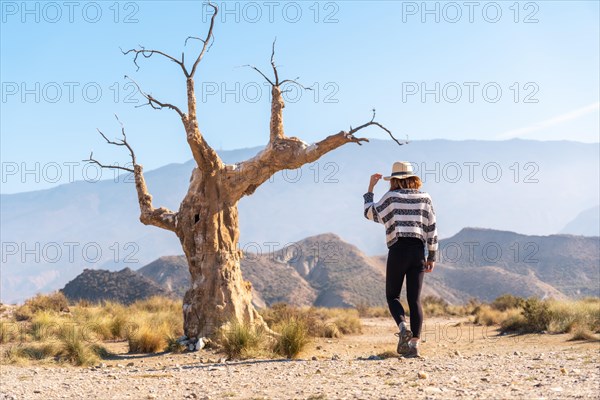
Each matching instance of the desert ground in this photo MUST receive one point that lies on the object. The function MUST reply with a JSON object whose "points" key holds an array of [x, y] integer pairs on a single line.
{"points": [[460, 360]]}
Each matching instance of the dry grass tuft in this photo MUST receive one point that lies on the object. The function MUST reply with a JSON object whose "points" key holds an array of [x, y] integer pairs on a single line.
{"points": [[294, 337]]}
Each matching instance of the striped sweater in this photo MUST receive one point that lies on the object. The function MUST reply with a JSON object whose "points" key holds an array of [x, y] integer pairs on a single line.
{"points": [[405, 213]]}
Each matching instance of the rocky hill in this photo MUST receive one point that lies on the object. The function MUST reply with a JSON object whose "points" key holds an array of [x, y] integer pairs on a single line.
{"points": [[125, 286]]}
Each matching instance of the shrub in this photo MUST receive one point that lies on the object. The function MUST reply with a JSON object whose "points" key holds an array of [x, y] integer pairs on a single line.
{"points": [[241, 340], [486, 315], [294, 337], [565, 316], [507, 301], [582, 333], [146, 339], [76, 351], [434, 306], [56, 302], [348, 324], [513, 322], [537, 315]]}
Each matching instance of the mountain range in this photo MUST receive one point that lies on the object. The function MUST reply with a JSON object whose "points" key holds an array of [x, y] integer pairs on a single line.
{"points": [[324, 270], [532, 187]]}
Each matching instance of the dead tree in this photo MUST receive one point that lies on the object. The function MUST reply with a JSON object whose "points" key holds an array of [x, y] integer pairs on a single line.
{"points": [[207, 220]]}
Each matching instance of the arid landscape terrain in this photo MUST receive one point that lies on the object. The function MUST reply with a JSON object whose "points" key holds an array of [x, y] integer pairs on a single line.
{"points": [[461, 360]]}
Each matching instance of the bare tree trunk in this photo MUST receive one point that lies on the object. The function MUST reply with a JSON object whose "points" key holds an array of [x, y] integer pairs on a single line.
{"points": [[209, 234]]}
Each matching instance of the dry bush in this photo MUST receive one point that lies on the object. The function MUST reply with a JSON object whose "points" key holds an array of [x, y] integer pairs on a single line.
{"points": [[488, 315], [241, 340], [582, 333], [583, 314], [56, 302], [293, 337], [147, 339], [507, 301], [434, 306]]}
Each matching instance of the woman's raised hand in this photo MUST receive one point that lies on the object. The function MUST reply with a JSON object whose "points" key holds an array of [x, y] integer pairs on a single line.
{"points": [[374, 179]]}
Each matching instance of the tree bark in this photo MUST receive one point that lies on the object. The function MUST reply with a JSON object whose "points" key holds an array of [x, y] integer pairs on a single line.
{"points": [[209, 234]]}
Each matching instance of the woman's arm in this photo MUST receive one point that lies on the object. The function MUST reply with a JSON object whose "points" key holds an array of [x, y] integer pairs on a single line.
{"points": [[432, 240], [369, 207]]}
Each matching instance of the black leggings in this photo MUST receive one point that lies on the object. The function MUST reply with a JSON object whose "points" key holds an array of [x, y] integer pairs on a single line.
{"points": [[406, 257]]}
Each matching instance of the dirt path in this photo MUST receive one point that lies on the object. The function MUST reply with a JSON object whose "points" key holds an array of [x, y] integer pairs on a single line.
{"points": [[461, 361]]}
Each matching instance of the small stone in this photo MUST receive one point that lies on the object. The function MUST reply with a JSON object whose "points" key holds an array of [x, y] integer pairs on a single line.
{"points": [[422, 375], [37, 391], [563, 370], [120, 366], [374, 358], [431, 389], [318, 371], [556, 389], [457, 353], [130, 364], [335, 357], [517, 353], [222, 360], [314, 358], [319, 348]]}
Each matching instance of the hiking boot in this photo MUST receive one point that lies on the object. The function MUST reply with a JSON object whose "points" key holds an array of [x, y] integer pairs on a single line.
{"points": [[403, 338], [413, 351]]}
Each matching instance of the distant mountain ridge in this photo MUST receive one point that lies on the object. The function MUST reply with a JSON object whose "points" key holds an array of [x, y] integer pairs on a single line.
{"points": [[324, 270], [504, 185]]}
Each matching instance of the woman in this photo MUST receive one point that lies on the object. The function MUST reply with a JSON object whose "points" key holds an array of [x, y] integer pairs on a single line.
{"points": [[409, 220]]}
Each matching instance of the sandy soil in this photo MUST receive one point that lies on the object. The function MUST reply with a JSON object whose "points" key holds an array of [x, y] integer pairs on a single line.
{"points": [[460, 361]]}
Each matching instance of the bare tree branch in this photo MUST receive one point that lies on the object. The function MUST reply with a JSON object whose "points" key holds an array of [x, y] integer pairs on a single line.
{"points": [[273, 63], [149, 53], [152, 102], [260, 72], [160, 217], [374, 123], [205, 47], [289, 153]]}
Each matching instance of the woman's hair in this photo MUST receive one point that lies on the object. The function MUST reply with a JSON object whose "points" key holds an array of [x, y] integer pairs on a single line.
{"points": [[413, 182]]}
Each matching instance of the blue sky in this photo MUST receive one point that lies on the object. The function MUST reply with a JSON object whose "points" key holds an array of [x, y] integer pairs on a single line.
{"points": [[495, 71]]}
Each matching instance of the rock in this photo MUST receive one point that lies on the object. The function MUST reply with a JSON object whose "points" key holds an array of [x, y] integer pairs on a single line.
{"points": [[374, 358], [319, 348], [314, 358], [335, 357], [422, 375], [130, 364], [563, 370], [432, 389], [517, 353], [457, 353]]}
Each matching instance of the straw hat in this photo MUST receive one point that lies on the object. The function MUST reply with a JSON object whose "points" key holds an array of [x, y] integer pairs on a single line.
{"points": [[400, 170]]}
